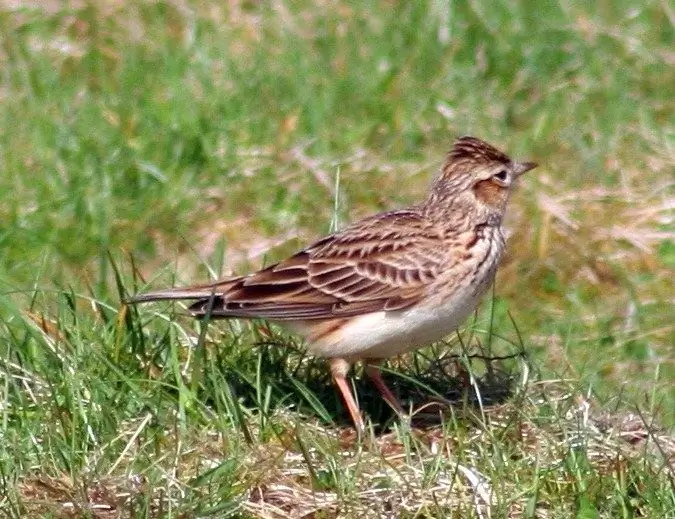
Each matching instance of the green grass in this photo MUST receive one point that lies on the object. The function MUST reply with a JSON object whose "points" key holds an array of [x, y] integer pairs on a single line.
{"points": [[145, 144]]}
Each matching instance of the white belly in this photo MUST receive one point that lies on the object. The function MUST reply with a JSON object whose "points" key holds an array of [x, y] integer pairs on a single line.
{"points": [[386, 334]]}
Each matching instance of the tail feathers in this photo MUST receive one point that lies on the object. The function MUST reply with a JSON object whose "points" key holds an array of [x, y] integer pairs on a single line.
{"points": [[172, 294]]}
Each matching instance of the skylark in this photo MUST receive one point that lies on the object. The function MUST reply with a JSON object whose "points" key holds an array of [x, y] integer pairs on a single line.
{"points": [[386, 284]]}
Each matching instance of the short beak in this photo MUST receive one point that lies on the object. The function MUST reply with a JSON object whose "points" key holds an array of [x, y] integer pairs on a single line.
{"points": [[524, 167]]}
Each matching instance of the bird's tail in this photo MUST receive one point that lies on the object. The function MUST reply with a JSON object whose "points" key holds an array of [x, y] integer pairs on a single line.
{"points": [[187, 293]]}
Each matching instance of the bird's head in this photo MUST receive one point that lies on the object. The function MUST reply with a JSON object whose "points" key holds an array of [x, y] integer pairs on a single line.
{"points": [[476, 178]]}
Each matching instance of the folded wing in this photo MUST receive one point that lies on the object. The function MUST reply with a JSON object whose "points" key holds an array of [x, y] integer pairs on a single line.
{"points": [[386, 262]]}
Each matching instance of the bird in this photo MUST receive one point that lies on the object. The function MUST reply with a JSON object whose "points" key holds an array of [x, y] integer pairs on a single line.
{"points": [[387, 284]]}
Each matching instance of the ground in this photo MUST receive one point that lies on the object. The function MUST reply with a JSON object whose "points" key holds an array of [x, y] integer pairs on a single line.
{"points": [[147, 144]]}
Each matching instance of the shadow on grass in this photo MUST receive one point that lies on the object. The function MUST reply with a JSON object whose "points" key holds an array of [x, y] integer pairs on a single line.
{"points": [[431, 388]]}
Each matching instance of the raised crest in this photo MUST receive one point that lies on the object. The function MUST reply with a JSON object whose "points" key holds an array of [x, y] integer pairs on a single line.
{"points": [[475, 150]]}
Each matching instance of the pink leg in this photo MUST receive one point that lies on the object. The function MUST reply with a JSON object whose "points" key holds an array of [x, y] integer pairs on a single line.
{"points": [[339, 369], [373, 372]]}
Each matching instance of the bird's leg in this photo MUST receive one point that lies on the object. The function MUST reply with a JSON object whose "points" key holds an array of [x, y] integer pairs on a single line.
{"points": [[339, 369], [375, 375]]}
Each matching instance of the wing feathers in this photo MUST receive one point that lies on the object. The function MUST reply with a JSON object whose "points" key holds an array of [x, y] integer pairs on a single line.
{"points": [[330, 277], [384, 263], [265, 292]]}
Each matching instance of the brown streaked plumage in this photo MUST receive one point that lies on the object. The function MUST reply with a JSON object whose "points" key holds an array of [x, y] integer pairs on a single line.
{"points": [[388, 283]]}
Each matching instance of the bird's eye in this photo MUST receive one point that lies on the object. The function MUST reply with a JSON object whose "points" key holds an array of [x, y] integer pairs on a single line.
{"points": [[501, 176]]}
